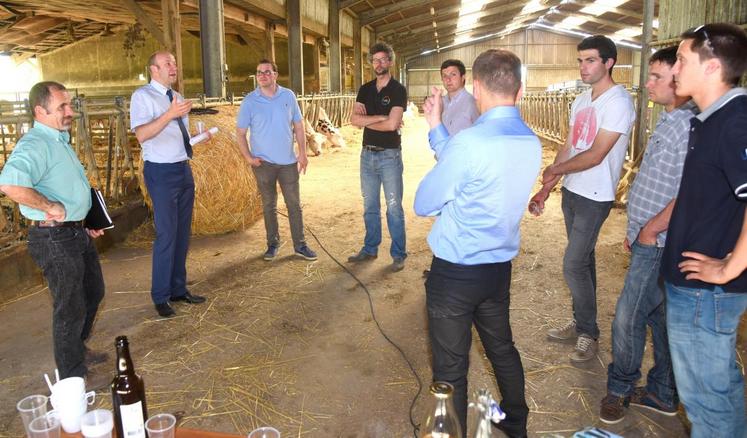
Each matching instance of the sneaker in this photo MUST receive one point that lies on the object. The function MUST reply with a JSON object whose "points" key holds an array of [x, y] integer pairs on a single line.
{"points": [[566, 333], [306, 253], [612, 409], [645, 399], [271, 253], [362, 256], [586, 349], [398, 264]]}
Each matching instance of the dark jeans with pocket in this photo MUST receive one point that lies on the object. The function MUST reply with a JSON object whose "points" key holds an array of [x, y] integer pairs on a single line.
{"points": [[70, 263], [458, 296], [268, 176]]}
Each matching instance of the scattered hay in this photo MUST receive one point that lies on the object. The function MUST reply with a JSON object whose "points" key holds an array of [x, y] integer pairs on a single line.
{"points": [[226, 195]]}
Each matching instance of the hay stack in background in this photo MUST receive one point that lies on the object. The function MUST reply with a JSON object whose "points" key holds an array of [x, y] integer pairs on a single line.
{"points": [[226, 196]]}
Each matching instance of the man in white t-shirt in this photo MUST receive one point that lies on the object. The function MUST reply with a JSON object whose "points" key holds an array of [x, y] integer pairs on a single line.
{"points": [[591, 161]]}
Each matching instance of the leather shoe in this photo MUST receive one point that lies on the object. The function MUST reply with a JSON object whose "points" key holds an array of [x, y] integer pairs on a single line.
{"points": [[188, 298], [95, 357], [165, 310], [97, 381]]}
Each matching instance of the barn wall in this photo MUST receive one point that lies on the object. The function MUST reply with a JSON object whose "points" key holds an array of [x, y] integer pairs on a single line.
{"points": [[549, 58], [96, 72]]}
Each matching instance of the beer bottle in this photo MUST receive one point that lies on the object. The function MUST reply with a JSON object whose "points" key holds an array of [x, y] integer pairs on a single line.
{"points": [[128, 395], [441, 420]]}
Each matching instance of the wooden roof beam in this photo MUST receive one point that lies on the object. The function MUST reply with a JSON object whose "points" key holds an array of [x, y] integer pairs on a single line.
{"points": [[619, 11], [488, 27], [498, 10], [398, 25], [146, 20], [271, 8], [368, 17], [344, 4], [594, 19]]}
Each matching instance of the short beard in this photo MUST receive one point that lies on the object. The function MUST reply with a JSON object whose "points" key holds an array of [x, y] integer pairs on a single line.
{"points": [[384, 72]]}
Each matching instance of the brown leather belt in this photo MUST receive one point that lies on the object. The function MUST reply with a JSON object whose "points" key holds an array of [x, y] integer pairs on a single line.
{"points": [[53, 224]]}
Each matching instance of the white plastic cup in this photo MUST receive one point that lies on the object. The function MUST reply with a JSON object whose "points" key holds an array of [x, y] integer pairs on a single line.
{"points": [[200, 127], [46, 426], [265, 432], [97, 424], [31, 407], [161, 426]]}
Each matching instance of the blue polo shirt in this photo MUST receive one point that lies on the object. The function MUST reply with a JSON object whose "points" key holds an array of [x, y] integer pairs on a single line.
{"points": [[479, 187], [44, 161], [710, 207], [270, 122]]}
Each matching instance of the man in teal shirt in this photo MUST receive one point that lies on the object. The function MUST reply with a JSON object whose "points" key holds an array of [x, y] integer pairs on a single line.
{"points": [[45, 177]]}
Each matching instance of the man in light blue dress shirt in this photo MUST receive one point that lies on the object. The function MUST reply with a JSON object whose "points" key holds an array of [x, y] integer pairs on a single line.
{"points": [[45, 177], [460, 110], [477, 192], [158, 116]]}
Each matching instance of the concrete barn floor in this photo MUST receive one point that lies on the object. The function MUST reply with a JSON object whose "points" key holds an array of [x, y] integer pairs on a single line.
{"points": [[292, 343]]}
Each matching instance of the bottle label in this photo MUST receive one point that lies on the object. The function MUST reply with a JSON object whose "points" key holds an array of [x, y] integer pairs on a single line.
{"points": [[133, 423]]}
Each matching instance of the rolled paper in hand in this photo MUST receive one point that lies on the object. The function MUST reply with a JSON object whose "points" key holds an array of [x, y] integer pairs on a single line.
{"points": [[202, 137]]}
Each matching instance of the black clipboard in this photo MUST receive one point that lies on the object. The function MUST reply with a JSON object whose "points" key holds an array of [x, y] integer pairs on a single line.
{"points": [[98, 216]]}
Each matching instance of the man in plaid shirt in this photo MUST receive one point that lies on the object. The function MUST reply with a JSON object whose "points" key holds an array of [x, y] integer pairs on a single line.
{"points": [[641, 302]]}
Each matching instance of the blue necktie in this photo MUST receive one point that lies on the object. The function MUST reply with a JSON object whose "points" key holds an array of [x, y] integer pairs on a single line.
{"points": [[185, 133]]}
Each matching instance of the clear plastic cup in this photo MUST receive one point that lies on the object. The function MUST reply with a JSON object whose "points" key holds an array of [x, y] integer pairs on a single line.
{"points": [[265, 432], [161, 426], [46, 426], [31, 407], [97, 424]]}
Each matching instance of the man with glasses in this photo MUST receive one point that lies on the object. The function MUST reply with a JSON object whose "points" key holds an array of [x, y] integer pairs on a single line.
{"points": [[378, 109], [459, 108], [706, 250], [159, 118], [272, 115], [590, 160]]}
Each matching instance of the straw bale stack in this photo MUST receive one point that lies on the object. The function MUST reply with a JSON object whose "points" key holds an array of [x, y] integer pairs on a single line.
{"points": [[226, 195]]}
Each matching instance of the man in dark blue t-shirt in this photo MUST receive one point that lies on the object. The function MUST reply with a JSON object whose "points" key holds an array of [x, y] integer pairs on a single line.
{"points": [[706, 250], [378, 110]]}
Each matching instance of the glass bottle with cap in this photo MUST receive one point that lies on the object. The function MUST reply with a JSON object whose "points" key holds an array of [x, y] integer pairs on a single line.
{"points": [[441, 420], [128, 395]]}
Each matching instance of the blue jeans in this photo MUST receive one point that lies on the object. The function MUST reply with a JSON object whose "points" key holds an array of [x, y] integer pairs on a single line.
{"points": [[377, 169], [172, 190], [702, 327], [641, 304], [458, 296], [70, 263], [583, 220]]}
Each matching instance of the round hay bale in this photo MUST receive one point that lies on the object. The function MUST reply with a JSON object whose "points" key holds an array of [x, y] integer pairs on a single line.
{"points": [[226, 195]]}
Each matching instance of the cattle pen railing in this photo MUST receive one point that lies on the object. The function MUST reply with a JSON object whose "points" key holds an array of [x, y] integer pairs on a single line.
{"points": [[109, 151]]}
